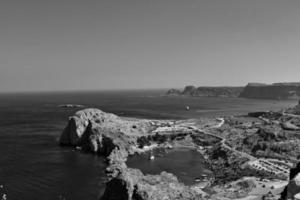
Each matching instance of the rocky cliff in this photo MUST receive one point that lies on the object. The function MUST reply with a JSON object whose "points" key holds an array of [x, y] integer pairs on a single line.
{"points": [[95, 130], [272, 91]]}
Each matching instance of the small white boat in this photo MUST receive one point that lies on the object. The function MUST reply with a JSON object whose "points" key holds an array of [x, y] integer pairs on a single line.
{"points": [[187, 108], [152, 157]]}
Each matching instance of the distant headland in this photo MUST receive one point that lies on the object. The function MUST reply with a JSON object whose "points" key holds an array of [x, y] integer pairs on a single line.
{"points": [[207, 91], [288, 90]]}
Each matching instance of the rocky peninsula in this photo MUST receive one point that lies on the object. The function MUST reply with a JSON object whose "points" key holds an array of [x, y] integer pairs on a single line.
{"points": [[250, 157]]}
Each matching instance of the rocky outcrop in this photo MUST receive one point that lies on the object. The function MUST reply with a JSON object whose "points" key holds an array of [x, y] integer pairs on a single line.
{"points": [[74, 133], [272, 91], [101, 132], [207, 91]]}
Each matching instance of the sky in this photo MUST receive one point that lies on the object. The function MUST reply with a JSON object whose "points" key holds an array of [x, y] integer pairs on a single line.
{"points": [[136, 44]]}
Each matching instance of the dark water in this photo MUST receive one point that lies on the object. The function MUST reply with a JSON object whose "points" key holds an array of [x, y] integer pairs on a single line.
{"points": [[186, 164], [33, 166]]}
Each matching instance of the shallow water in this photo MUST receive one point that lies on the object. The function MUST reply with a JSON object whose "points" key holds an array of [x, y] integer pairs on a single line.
{"points": [[188, 165], [33, 166]]}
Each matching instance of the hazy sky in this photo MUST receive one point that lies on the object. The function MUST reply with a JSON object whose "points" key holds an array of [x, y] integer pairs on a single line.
{"points": [[109, 44]]}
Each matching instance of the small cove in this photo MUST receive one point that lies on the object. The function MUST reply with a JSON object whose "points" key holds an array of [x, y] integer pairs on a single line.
{"points": [[188, 165]]}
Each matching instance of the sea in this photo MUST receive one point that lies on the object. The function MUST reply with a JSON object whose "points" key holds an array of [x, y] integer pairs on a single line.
{"points": [[33, 165]]}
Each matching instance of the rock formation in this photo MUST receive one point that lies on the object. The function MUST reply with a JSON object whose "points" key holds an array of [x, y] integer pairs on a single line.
{"points": [[81, 123], [96, 130]]}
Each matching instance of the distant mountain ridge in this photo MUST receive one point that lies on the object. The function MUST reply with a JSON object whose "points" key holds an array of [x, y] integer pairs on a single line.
{"points": [[283, 90]]}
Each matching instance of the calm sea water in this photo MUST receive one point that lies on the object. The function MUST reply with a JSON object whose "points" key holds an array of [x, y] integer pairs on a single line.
{"points": [[33, 166], [186, 164]]}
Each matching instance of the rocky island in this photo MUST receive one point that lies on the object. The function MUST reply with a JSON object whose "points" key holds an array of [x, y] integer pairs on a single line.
{"points": [[249, 157]]}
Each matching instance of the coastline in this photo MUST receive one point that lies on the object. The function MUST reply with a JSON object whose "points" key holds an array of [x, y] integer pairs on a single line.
{"points": [[49, 119], [119, 137], [162, 129]]}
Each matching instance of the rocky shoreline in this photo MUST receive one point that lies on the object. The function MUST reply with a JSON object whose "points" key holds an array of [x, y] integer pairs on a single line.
{"points": [[222, 142]]}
